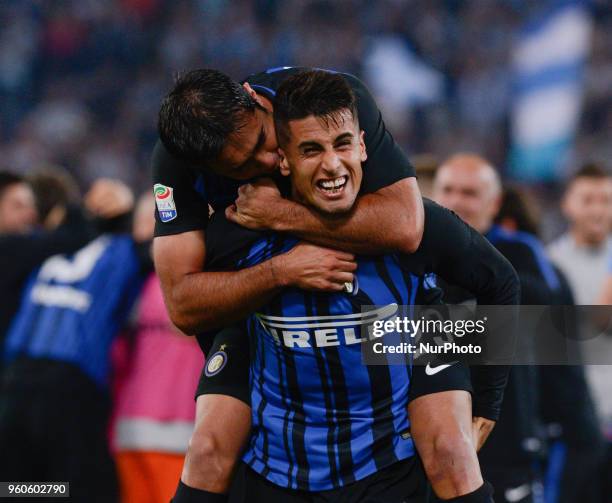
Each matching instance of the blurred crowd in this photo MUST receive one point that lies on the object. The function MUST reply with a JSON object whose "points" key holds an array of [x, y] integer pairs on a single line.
{"points": [[80, 80], [80, 87]]}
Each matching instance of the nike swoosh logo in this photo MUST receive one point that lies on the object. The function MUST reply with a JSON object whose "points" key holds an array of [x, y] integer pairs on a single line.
{"points": [[430, 371], [513, 494]]}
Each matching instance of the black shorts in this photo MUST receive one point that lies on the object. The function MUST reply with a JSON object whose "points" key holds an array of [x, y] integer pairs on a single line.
{"points": [[226, 370], [402, 482]]}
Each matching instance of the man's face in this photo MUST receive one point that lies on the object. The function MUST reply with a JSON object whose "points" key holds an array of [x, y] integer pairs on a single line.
{"points": [[252, 151], [588, 207], [17, 209], [470, 191], [323, 158]]}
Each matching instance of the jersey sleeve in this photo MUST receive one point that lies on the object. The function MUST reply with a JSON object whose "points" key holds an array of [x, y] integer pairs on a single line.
{"points": [[179, 206], [227, 243], [463, 257], [386, 163]]}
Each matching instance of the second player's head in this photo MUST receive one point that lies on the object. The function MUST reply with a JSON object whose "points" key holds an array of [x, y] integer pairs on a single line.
{"points": [[219, 125], [321, 145]]}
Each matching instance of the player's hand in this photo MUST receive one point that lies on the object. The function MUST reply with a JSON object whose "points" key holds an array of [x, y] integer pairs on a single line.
{"points": [[310, 267], [108, 198], [257, 206], [481, 429]]}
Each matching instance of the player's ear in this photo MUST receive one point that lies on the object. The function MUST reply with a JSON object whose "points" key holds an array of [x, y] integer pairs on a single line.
{"points": [[251, 92], [284, 163], [362, 146]]}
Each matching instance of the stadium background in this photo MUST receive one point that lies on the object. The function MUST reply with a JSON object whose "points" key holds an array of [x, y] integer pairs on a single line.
{"points": [[81, 80]]}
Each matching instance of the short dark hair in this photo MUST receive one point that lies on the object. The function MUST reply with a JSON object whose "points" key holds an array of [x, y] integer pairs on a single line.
{"points": [[53, 186], [313, 92], [589, 170], [8, 178], [519, 206], [199, 113]]}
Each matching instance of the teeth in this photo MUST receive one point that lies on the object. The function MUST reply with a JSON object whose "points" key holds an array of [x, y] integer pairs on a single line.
{"points": [[333, 184]]}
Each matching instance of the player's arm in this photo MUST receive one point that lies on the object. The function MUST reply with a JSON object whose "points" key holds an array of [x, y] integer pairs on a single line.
{"points": [[200, 301], [388, 214], [196, 300], [389, 219], [463, 257]]}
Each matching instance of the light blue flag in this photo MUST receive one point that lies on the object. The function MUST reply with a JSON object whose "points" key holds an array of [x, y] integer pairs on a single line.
{"points": [[548, 65]]}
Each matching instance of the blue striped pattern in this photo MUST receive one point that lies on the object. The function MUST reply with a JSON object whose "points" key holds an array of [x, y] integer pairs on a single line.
{"points": [[321, 419], [73, 306]]}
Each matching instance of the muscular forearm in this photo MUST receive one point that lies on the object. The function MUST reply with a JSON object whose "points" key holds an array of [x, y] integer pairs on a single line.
{"points": [[209, 300], [378, 223]]}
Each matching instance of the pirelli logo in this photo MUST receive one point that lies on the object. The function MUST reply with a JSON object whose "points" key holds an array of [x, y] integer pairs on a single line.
{"points": [[324, 331]]}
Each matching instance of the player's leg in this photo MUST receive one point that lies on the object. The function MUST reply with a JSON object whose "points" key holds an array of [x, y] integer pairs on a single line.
{"points": [[223, 421], [440, 413], [221, 430]]}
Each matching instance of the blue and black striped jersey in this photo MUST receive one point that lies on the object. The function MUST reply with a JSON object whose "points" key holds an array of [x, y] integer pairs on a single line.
{"points": [[74, 305], [321, 419]]}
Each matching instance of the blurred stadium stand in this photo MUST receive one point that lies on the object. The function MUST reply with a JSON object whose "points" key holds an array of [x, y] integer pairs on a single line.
{"points": [[81, 80]]}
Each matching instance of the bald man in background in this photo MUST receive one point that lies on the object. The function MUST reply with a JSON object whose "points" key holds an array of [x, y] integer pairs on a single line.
{"points": [[469, 185]]}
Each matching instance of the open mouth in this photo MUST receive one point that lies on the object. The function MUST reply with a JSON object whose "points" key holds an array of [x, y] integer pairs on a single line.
{"points": [[332, 186]]}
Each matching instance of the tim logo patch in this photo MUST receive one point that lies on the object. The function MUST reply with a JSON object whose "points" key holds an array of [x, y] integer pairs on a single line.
{"points": [[165, 202]]}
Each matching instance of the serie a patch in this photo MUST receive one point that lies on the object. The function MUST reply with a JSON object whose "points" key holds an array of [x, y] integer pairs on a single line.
{"points": [[164, 199]]}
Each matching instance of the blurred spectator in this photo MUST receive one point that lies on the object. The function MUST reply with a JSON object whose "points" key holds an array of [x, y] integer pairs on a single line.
{"points": [[64, 229], [425, 166], [518, 211], [582, 253], [54, 404], [155, 406], [54, 190], [469, 185], [17, 206], [72, 71], [576, 454]]}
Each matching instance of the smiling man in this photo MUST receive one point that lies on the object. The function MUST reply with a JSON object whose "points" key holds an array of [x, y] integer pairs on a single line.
{"points": [[216, 133], [326, 426]]}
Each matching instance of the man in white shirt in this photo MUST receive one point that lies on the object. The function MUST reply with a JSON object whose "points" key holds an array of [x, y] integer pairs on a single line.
{"points": [[582, 253]]}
